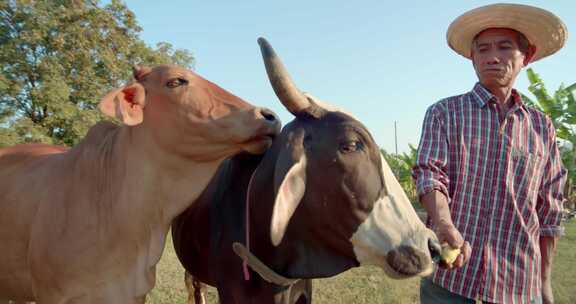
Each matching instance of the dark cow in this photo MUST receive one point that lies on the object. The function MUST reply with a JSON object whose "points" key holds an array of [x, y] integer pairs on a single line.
{"points": [[320, 201]]}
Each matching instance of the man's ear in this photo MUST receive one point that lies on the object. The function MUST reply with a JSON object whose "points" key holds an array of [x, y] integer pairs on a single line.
{"points": [[126, 104], [472, 58], [529, 54]]}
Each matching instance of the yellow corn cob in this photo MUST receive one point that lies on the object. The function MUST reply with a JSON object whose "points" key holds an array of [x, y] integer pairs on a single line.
{"points": [[449, 254]]}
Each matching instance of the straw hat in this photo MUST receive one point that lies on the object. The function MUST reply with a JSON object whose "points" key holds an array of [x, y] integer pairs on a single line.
{"points": [[542, 28]]}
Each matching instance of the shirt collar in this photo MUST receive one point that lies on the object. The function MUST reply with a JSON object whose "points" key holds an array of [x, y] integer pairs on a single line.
{"points": [[484, 97]]}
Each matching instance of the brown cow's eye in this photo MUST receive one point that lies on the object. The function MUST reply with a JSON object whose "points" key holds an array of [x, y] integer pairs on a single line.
{"points": [[350, 146], [176, 82]]}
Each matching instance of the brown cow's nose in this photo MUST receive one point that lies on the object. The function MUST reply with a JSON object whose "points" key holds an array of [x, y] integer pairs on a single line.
{"points": [[435, 250], [268, 114]]}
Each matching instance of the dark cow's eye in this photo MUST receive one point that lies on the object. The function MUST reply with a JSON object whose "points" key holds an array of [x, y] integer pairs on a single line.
{"points": [[350, 146], [176, 82]]}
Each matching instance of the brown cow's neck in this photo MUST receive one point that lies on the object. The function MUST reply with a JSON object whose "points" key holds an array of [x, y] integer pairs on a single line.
{"points": [[173, 181], [126, 172]]}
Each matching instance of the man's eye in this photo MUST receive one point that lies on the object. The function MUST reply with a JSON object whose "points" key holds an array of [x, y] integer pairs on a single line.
{"points": [[350, 146], [176, 82]]}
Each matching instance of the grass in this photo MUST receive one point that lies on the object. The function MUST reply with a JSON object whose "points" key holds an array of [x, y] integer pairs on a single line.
{"points": [[366, 284], [564, 269]]}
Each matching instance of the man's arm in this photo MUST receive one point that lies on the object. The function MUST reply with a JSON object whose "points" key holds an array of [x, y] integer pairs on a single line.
{"points": [[431, 180], [550, 201], [436, 206], [549, 207]]}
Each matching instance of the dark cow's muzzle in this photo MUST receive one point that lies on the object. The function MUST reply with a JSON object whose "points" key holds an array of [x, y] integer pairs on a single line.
{"points": [[407, 260]]}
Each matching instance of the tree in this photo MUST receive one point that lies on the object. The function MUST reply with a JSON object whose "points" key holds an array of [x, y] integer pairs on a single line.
{"points": [[59, 57], [401, 165], [561, 108]]}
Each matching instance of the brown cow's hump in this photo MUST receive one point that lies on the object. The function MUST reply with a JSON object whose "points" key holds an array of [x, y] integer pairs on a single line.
{"points": [[32, 150]]}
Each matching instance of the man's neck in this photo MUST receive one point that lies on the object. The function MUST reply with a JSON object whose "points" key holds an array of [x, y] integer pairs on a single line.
{"points": [[502, 94]]}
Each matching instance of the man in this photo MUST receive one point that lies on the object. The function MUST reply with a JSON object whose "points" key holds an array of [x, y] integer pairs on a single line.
{"points": [[488, 170]]}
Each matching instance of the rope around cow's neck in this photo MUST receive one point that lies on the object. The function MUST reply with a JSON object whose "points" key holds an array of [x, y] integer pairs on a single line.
{"points": [[264, 271], [245, 260]]}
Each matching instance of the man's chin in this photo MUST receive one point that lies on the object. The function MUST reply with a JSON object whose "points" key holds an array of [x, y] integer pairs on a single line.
{"points": [[494, 82]]}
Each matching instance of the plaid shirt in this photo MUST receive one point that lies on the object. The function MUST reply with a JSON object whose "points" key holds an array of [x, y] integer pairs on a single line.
{"points": [[503, 178]]}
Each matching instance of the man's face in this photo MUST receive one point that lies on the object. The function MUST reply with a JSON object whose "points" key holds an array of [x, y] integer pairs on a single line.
{"points": [[496, 57]]}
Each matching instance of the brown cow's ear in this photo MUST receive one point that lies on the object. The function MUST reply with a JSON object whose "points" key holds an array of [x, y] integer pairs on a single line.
{"points": [[139, 71], [125, 104], [290, 185]]}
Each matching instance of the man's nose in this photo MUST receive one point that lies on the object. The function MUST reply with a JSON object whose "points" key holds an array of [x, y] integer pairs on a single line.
{"points": [[492, 61], [492, 58]]}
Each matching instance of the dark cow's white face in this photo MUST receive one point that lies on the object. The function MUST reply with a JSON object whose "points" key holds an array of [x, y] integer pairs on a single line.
{"points": [[341, 193], [393, 233], [337, 192]]}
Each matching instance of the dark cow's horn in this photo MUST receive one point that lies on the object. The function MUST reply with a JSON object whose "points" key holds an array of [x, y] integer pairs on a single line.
{"points": [[283, 86]]}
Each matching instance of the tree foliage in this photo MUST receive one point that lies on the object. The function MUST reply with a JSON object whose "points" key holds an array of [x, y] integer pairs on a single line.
{"points": [[59, 57], [561, 108], [401, 165]]}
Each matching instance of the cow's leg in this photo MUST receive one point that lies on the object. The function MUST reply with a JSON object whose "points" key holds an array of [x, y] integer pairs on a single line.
{"points": [[189, 287], [297, 293], [195, 289], [198, 292], [301, 292]]}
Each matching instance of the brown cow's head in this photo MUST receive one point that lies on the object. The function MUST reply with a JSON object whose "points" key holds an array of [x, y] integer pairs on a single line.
{"points": [[335, 195], [190, 116]]}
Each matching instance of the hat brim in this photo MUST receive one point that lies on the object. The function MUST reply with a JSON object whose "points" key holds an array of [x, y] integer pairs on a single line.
{"points": [[543, 29]]}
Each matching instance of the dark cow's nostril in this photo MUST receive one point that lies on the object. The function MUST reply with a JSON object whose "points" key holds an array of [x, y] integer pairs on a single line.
{"points": [[268, 115], [435, 250]]}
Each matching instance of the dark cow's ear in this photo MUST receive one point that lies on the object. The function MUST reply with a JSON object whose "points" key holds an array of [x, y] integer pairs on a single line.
{"points": [[125, 104], [290, 186]]}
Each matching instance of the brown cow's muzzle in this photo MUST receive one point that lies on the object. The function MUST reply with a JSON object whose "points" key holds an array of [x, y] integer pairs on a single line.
{"points": [[269, 127], [270, 118]]}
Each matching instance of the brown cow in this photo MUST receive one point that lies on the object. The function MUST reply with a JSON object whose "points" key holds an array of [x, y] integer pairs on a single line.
{"points": [[88, 225]]}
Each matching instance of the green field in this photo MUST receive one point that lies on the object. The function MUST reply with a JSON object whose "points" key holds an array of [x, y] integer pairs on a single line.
{"points": [[367, 284]]}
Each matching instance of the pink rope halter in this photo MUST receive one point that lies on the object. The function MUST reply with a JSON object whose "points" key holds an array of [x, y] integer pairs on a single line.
{"points": [[245, 262]]}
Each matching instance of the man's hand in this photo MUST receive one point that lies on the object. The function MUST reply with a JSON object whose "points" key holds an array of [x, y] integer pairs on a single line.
{"points": [[446, 232], [547, 249], [436, 205]]}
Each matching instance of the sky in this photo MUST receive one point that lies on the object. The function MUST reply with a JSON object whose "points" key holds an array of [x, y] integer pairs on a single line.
{"points": [[383, 61]]}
